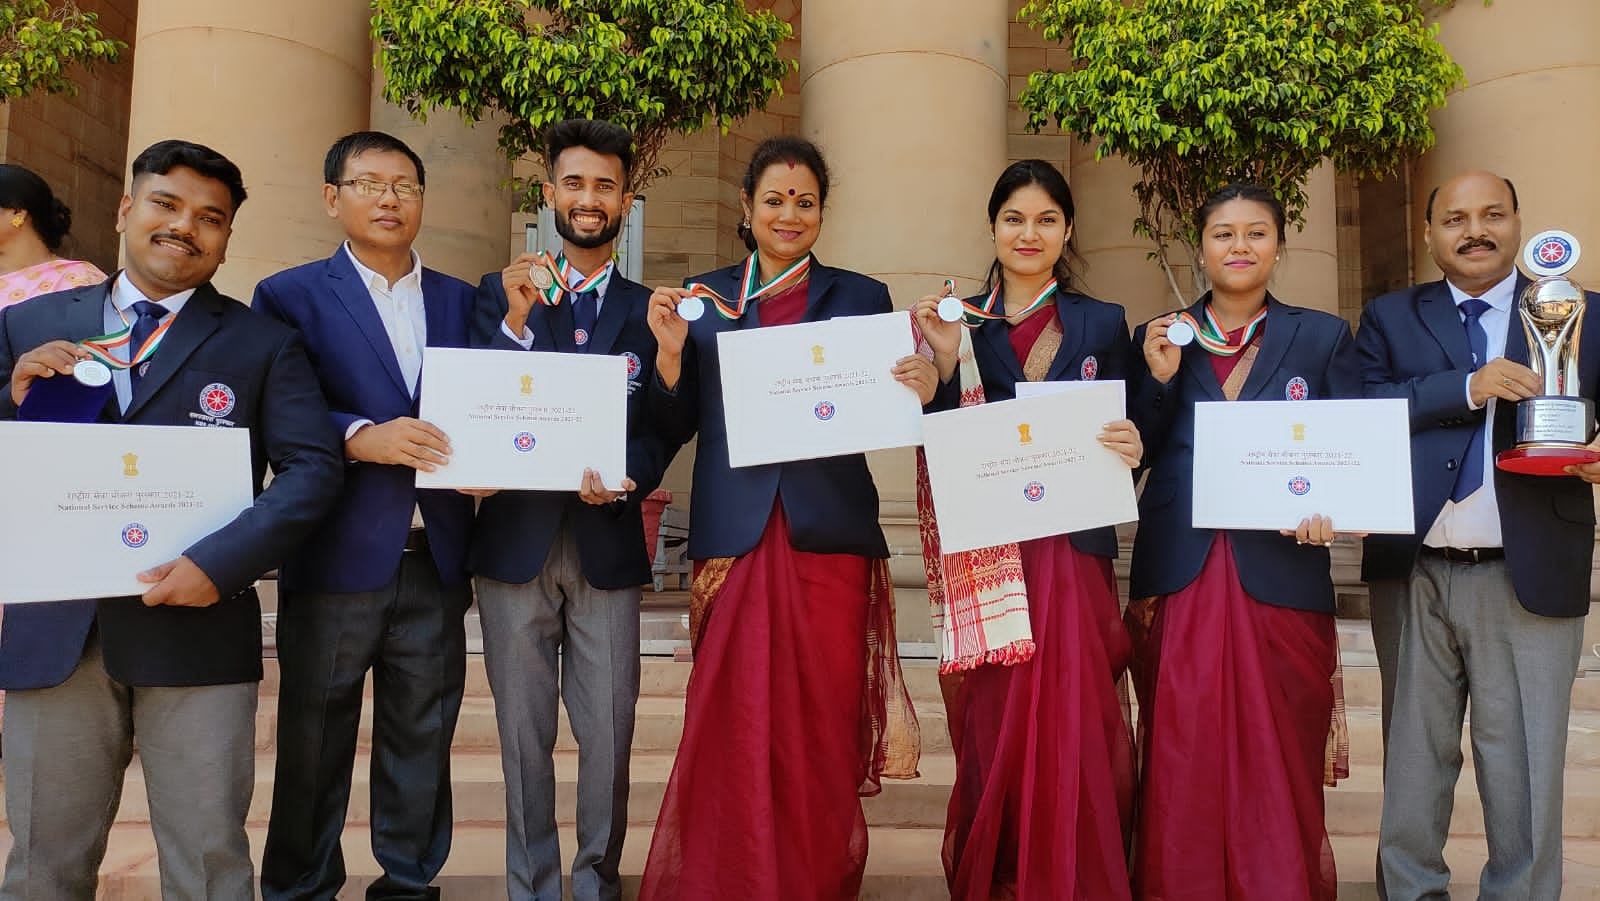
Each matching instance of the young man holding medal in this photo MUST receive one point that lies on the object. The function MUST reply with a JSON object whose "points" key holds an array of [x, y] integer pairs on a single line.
{"points": [[1485, 601], [382, 586], [558, 573], [176, 669]]}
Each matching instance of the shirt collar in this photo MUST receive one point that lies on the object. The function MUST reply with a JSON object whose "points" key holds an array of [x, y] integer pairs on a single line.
{"points": [[372, 279], [575, 278], [1500, 297], [124, 295]]}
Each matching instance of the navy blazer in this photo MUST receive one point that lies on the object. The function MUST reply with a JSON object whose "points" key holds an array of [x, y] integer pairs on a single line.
{"points": [[1094, 345], [831, 503], [213, 339], [516, 529], [358, 547], [1412, 345], [1296, 345]]}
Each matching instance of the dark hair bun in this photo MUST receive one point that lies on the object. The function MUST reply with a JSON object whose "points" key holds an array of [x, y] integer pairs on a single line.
{"points": [[54, 226]]}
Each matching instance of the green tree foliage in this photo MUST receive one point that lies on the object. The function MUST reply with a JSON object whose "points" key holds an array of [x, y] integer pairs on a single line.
{"points": [[40, 41], [652, 66], [1197, 93]]}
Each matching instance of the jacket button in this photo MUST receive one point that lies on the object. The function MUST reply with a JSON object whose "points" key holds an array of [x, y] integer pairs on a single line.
{"points": [[1450, 465]]}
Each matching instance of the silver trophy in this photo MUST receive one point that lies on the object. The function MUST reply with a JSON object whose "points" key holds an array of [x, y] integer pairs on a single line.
{"points": [[1554, 428]]}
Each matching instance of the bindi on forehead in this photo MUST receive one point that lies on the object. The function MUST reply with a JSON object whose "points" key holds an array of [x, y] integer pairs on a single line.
{"points": [[791, 192]]}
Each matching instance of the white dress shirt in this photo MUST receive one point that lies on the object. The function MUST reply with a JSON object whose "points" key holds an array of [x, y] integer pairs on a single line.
{"points": [[1475, 521], [574, 279], [400, 308], [119, 314]]}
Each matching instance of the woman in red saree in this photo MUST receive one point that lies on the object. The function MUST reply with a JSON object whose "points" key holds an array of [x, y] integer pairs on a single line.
{"points": [[1235, 645], [795, 705], [1042, 804]]}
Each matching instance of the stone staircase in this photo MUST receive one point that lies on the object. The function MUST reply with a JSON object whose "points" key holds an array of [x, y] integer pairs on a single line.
{"points": [[906, 821]]}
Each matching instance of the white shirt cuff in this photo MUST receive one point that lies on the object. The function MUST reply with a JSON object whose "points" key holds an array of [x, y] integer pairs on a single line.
{"points": [[1468, 387], [525, 339], [356, 426]]}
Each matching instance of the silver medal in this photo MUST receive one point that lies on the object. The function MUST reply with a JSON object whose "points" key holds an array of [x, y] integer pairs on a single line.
{"points": [[950, 309], [691, 308], [92, 373], [1180, 333]]}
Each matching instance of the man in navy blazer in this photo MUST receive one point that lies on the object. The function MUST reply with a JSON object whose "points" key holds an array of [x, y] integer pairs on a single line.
{"points": [[1486, 600], [382, 585], [177, 669], [558, 573]]}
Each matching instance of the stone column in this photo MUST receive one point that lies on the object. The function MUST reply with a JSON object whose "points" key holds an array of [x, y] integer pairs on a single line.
{"points": [[271, 86], [1115, 262], [908, 101], [1308, 274], [468, 207], [1530, 111]]}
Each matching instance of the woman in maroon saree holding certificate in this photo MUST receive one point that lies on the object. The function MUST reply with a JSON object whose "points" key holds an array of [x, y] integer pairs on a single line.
{"points": [[1235, 646], [1042, 804], [795, 705]]}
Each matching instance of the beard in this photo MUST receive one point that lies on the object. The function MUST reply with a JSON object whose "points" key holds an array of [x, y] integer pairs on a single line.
{"points": [[604, 236]]}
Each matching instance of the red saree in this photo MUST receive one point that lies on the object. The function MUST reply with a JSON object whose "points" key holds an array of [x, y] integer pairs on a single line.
{"points": [[1044, 760], [1234, 704], [1043, 800], [796, 706], [763, 800]]}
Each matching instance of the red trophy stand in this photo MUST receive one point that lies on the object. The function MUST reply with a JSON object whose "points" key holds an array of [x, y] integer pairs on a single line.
{"points": [[1535, 460]]}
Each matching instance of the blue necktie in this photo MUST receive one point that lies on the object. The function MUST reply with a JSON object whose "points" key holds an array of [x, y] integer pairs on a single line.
{"points": [[585, 310], [150, 314], [1470, 478]]}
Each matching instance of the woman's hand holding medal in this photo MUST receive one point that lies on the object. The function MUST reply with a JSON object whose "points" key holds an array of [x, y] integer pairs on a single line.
{"points": [[1162, 354], [671, 331], [942, 333]]}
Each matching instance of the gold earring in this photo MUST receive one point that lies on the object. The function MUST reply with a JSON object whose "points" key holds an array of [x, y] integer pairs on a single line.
{"points": [[17, 220]]}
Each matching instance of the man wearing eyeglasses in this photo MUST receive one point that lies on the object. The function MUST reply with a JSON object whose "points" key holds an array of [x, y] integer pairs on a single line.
{"points": [[381, 586]]}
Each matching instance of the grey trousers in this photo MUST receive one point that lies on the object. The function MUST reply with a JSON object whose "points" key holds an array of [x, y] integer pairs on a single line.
{"points": [[558, 630], [1457, 633], [66, 750]]}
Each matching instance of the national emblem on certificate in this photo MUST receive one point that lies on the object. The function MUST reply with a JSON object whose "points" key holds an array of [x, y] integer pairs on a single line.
{"points": [[90, 506], [526, 421], [1269, 464], [1028, 468], [817, 389]]}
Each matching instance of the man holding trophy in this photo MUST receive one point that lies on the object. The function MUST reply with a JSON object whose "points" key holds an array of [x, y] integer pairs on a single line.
{"points": [[1486, 600]]}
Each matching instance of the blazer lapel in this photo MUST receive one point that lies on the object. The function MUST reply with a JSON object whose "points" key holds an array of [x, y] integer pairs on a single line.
{"points": [[1443, 320], [1196, 361], [821, 280], [1276, 337], [192, 326], [1517, 350], [613, 315], [1070, 316], [86, 318], [347, 286]]}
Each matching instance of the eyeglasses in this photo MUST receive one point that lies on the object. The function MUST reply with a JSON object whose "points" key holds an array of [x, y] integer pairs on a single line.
{"points": [[368, 187]]}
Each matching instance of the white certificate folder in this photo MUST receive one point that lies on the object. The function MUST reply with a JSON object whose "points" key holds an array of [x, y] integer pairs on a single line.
{"points": [[817, 389], [90, 506], [1027, 468], [526, 421], [1270, 464]]}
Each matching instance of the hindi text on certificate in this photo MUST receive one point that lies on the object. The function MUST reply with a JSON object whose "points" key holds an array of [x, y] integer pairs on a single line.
{"points": [[1027, 468], [526, 421], [817, 389], [90, 506], [1270, 464]]}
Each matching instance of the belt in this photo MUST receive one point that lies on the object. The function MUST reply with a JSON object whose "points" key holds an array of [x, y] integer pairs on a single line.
{"points": [[1467, 555], [417, 541]]}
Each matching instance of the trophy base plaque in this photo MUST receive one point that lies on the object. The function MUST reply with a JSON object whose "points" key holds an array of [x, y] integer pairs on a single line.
{"points": [[1545, 461]]}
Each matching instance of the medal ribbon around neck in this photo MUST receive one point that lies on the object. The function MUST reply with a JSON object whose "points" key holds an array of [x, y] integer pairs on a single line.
{"points": [[749, 289], [560, 271], [975, 316], [1211, 336], [101, 346]]}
